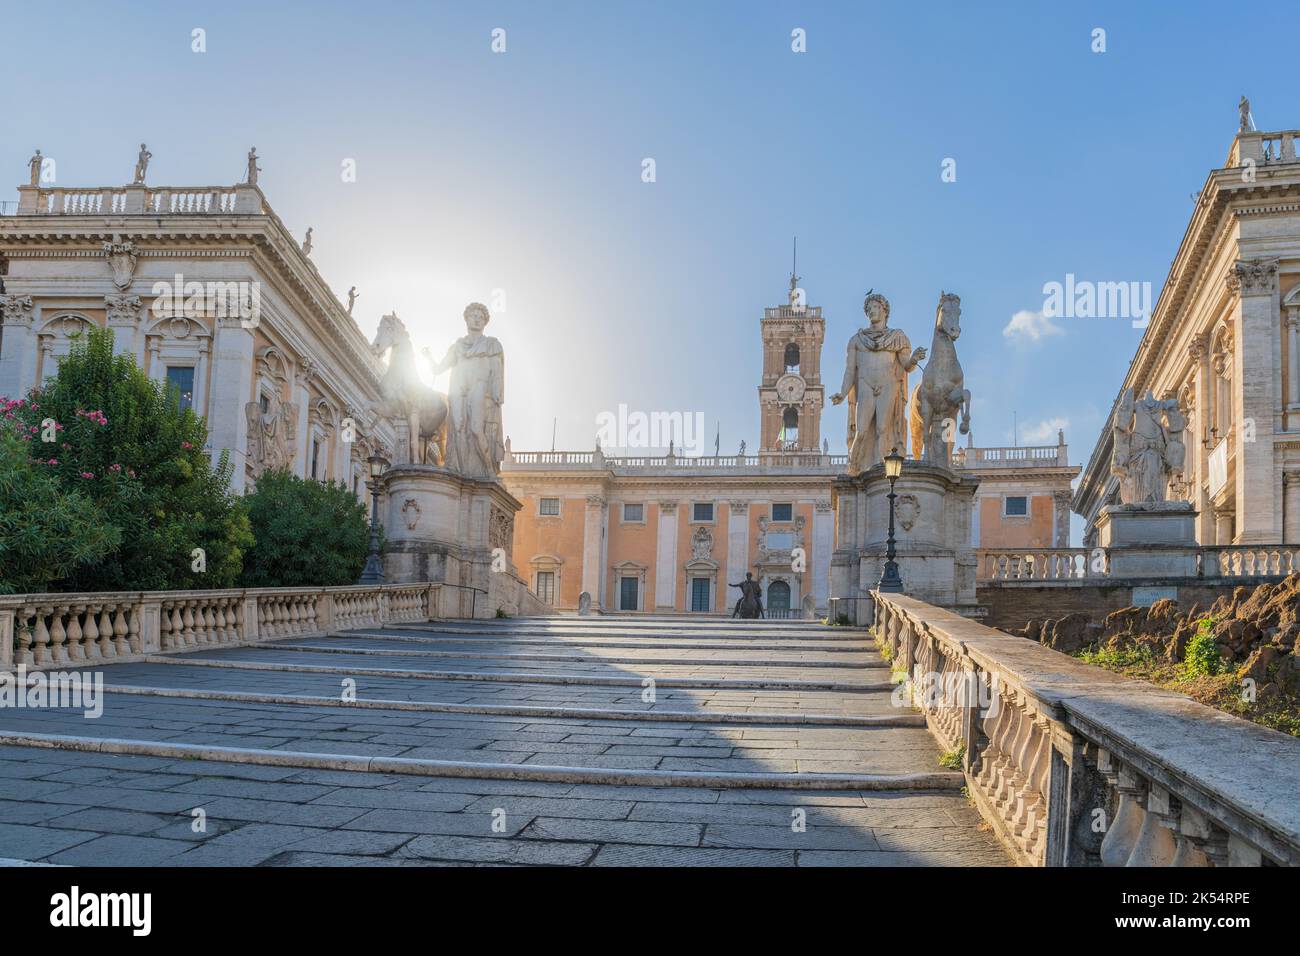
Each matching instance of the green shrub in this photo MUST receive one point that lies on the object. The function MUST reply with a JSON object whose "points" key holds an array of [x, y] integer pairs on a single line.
{"points": [[122, 441], [45, 532], [1202, 656], [308, 534]]}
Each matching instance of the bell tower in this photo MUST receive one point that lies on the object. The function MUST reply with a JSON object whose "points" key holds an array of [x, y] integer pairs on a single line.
{"points": [[791, 395]]}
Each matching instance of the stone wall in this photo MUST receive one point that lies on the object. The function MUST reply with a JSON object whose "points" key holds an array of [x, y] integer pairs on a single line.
{"points": [[1013, 604]]}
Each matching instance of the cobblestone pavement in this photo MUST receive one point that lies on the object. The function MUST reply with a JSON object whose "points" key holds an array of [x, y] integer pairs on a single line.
{"points": [[517, 743]]}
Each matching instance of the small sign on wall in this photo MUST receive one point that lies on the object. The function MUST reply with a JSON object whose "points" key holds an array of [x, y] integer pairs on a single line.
{"points": [[1145, 597]]}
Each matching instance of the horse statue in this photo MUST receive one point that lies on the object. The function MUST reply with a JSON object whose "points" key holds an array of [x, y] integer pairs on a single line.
{"points": [[407, 398], [940, 395]]}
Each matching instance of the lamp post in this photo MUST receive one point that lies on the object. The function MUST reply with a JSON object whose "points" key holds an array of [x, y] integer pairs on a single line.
{"points": [[890, 581], [374, 571]]}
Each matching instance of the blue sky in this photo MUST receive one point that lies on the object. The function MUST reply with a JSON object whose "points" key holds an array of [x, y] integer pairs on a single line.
{"points": [[522, 171]]}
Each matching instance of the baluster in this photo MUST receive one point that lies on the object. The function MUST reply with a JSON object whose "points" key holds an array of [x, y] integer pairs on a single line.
{"points": [[166, 634], [74, 649], [120, 631], [1126, 828], [106, 648], [90, 634], [58, 636], [23, 629]]}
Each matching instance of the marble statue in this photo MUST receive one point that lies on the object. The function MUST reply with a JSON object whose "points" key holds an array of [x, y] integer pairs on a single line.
{"points": [[477, 363], [35, 163], [742, 448], [352, 298], [306, 243], [142, 164], [1243, 108], [1147, 448], [271, 433], [253, 168], [940, 396], [875, 383], [407, 398]]}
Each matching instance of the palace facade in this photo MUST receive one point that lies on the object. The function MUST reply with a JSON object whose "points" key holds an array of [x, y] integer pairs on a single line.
{"points": [[673, 533], [1224, 341], [208, 291]]}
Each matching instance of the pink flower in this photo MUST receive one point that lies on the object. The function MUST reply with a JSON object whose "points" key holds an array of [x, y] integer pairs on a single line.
{"points": [[53, 461], [87, 474], [186, 444]]}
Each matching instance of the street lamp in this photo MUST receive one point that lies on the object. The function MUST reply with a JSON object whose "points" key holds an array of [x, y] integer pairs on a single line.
{"points": [[890, 581], [374, 571]]}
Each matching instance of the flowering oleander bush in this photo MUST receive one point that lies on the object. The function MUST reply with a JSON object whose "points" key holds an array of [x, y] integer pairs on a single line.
{"points": [[308, 534], [102, 432]]}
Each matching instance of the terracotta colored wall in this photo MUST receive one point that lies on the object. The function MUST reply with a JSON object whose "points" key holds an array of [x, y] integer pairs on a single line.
{"points": [[1033, 532], [629, 541], [560, 536]]}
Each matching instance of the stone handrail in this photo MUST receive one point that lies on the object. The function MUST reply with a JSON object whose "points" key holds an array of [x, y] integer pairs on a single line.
{"points": [[60, 630], [585, 460], [1075, 766], [1061, 564], [1018, 456]]}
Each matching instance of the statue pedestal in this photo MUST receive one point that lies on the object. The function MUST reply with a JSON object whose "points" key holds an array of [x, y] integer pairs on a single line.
{"points": [[932, 534], [1154, 540], [444, 528]]}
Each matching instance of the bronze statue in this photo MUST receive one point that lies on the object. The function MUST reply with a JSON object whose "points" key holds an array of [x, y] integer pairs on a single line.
{"points": [[750, 605]]}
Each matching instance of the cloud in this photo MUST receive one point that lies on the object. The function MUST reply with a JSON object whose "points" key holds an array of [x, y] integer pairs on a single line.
{"points": [[1043, 433], [1026, 327]]}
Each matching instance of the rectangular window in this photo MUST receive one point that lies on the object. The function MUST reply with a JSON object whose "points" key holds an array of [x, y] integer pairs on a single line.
{"points": [[700, 594], [548, 506], [315, 456], [1017, 506], [546, 586], [783, 512], [627, 593], [181, 377], [702, 511], [633, 512]]}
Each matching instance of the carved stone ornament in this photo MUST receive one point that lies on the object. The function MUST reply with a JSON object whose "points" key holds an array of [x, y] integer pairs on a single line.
{"points": [[16, 309], [121, 259], [411, 512], [122, 309], [1253, 276], [908, 509], [501, 529], [701, 545]]}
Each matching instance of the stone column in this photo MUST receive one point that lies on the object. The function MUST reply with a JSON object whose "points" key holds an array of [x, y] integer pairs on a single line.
{"points": [[1293, 366], [823, 543], [18, 359], [593, 539], [1198, 454], [300, 395], [232, 388], [666, 558], [1061, 519], [737, 549], [1291, 504], [1257, 372], [1223, 522]]}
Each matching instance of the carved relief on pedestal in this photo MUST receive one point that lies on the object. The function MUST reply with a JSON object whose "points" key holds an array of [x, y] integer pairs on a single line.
{"points": [[411, 512], [907, 509], [501, 530]]}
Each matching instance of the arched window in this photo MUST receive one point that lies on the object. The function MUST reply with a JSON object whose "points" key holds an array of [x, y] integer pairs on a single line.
{"points": [[790, 426], [792, 358], [778, 596]]}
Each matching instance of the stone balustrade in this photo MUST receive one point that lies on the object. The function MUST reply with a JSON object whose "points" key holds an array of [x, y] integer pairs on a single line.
{"points": [[1060, 564], [140, 200], [1075, 766], [42, 631], [636, 464]]}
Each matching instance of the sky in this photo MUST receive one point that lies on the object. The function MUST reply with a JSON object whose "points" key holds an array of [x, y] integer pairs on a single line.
{"points": [[516, 178]]}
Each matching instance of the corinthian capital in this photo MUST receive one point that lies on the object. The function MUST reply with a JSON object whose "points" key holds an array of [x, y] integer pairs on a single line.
{"points": [[1253, 276]]}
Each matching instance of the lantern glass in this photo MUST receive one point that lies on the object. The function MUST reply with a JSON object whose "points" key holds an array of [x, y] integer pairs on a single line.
{"points": [[893, 464], [376, 466]]}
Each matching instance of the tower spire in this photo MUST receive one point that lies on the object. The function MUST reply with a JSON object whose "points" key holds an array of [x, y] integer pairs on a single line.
{"points": [[794, 270]]}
